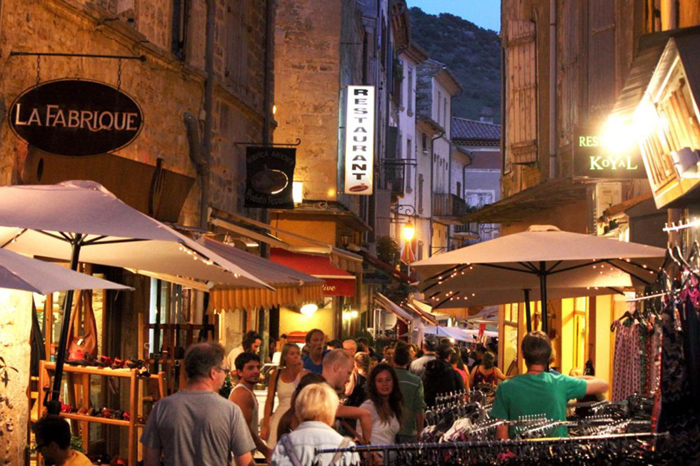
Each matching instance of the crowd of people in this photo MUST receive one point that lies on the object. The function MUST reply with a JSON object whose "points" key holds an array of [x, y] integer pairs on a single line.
{"points": [[329, 395]]}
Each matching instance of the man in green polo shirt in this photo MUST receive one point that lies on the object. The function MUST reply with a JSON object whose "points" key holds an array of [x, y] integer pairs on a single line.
{"points": [[538, 391], [413, 409]]}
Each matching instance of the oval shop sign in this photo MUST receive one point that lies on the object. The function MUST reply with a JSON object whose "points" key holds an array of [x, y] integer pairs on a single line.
{"points": [[76, 117]]}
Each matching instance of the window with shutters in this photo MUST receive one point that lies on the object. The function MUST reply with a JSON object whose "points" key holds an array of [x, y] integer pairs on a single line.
{"points": [[521, 92], [601, 53], [439, 107], [409, 154], [179, 28], [569, 108], [236, 50]]}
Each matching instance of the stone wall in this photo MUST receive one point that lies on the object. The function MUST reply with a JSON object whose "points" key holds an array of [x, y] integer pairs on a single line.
{"points": [[164, 86], [307, 89], [15, 329]]}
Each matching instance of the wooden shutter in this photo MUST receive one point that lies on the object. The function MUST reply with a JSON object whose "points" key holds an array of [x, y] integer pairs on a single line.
{"points": [[521, 92], [601, 58]]}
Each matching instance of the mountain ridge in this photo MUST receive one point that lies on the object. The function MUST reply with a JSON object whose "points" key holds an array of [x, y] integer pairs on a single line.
{"points": [[471, 53]]}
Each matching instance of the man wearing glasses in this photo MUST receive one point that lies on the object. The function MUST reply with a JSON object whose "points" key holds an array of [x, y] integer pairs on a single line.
{"points": [[53, 442], [196, 426]]}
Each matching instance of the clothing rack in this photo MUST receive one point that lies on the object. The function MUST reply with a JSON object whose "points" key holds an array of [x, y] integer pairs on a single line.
{"points": [[497, 447]]}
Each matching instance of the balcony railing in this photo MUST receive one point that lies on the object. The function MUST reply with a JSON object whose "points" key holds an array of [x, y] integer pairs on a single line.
{"points": [[449, 205]]}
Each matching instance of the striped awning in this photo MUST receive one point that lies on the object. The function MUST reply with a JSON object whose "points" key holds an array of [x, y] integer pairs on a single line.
{"points": [[292, 287]]}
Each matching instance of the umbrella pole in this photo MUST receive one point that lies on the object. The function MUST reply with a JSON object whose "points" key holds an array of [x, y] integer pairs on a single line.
{"points": [[543, 294], [54, 406], [528, 314]]}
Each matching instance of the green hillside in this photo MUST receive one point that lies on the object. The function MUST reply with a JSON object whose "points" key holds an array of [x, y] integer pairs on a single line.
{"points": [[471, 53]]}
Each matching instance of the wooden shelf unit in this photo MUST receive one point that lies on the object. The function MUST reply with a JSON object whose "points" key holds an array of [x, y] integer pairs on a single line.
{"points": [[85, 371]]}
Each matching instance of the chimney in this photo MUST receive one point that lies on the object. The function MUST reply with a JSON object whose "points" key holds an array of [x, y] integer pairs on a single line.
{"points": [[486, 115]]}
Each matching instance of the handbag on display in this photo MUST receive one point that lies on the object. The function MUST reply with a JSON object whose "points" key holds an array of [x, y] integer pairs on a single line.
{"points": [[82, 347]]}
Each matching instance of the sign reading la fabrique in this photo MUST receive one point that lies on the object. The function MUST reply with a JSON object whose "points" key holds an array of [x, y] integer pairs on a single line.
{"points": [[76, 117], [593, 159]]}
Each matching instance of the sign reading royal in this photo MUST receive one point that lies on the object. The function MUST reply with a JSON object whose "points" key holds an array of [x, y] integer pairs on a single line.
{"points": [[359, 140], [594, 159], [76, 117]]}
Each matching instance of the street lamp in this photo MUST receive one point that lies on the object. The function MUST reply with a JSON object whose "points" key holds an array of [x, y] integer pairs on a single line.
{"points": [[409, 231]]}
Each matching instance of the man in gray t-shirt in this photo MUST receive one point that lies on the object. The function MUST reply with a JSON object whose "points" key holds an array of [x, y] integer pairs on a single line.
{"points": [[196, 426]]}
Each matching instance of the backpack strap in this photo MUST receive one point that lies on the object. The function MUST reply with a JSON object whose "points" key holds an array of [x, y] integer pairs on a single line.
{"points": [[339, 454], [289, 449]]}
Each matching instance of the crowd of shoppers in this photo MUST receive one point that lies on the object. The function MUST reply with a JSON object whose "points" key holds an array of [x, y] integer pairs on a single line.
{"points": [[329, 399]]}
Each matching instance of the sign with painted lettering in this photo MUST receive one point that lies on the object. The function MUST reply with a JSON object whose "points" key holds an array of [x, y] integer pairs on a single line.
{"points": [[270, 177], [359, 140], [594, 159], [76, 117]]}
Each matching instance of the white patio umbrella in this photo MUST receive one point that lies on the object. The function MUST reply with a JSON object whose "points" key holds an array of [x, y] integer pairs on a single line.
{"points": [[81, 220], [543, 260], [18, 272]]}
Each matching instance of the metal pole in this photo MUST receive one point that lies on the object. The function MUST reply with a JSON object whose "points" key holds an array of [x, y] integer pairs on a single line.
{"points": [[543, 294], [528, 315], [54, 407]]}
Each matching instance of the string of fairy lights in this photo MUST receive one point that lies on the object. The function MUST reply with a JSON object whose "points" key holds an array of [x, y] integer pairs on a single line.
{"points": [[602, 266]]}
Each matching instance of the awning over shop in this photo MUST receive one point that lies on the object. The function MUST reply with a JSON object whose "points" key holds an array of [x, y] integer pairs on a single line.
{"points": [[338, 282], [390, 306], [340, 258], [384, 267], [422, 310], [455, 333], [521, 206], [292, 287]]}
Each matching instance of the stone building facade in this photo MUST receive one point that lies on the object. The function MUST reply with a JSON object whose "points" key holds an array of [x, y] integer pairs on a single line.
{"points": [[169, 86]]}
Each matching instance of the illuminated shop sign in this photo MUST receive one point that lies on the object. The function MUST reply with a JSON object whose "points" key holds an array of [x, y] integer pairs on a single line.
{"points": [[76, 117], [359, 140], [594, 158]]}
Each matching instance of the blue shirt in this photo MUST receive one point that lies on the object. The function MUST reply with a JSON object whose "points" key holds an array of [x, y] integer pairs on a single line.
{"points": [[311, 367]]}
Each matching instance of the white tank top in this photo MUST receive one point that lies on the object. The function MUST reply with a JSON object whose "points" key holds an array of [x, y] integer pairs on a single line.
{"points": [[254, 416]]}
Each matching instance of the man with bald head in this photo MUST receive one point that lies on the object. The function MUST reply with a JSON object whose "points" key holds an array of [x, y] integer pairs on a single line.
{"points": [[350, 347], [337, 368]]}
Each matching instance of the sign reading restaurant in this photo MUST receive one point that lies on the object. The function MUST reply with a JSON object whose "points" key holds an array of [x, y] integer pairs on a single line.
{"points": [[592, 158], [76, 117], [359, 140]]}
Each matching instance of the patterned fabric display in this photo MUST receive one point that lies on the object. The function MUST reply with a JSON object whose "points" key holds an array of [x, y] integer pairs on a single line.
{"points": [[627, 362]]}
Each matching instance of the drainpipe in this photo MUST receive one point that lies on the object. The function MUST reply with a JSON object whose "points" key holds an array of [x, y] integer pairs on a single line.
{"points": [[268, 97], [208, 117], [552, 89], [432, 188]]}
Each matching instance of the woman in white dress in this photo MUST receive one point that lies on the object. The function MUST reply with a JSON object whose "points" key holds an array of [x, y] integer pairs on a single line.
{"points": [[384, 401], [283, 382]]}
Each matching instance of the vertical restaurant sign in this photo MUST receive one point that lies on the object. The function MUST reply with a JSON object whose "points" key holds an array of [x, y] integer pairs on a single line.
{"points": [[359, 140], [269, 177], [76, 117]]}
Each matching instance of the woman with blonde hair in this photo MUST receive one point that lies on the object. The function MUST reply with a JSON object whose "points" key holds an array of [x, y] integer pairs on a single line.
{"points": [[315, 406], [283, 382]]}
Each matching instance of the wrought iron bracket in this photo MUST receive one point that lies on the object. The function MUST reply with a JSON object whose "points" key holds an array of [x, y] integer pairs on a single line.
{"points": [[277, 144]]}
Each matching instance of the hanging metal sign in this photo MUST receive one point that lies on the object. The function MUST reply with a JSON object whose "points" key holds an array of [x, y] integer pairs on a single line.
{"points": [[359, 140], [270, 177], [76, 117]]}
